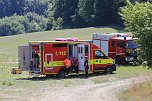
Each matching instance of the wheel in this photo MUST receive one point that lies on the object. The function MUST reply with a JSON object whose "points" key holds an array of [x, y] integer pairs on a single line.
{"points": [[108, 70], [123, 61], [13, 71], [61, 73], [117, 59]]}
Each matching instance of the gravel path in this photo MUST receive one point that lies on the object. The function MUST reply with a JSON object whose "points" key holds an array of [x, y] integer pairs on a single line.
{"points": [[92, 92]]}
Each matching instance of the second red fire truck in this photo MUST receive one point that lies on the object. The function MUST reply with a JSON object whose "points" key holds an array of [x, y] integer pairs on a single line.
{"points": [[119, 46]]}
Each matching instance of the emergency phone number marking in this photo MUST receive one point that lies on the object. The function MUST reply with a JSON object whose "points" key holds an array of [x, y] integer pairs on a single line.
{"points": [[60, 52]]}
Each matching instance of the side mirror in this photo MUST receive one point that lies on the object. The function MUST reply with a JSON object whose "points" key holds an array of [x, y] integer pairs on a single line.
{"points": [[105, 57]]}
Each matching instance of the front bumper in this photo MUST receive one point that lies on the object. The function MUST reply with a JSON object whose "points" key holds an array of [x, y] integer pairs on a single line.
{"points": [[130, 59]]}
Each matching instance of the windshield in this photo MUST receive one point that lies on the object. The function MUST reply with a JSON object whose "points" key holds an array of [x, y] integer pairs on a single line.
{"points": [[131, 44]]}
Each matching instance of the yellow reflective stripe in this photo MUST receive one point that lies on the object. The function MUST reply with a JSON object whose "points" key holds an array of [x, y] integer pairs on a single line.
{"points": [[101, 61], [99, 70], [51, 73], [109, 61], [53, 63], [91, 62], [94, 61]]}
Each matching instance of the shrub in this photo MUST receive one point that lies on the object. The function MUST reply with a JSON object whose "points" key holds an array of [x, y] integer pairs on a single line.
{"points": [[16, 24], [10, 27]]}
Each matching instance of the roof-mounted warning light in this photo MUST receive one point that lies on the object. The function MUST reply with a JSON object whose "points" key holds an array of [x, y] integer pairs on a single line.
{"points": [[124, 37]]}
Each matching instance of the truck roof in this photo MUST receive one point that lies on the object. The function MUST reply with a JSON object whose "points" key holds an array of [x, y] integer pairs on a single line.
{"points": [[79, 41], [123, 38], [115, 36]]}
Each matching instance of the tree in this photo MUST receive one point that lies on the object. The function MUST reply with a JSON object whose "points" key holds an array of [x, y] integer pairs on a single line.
{"points": [[21, 7], [16, 24], [17, 7], [49, 23], [86, 11], [37, 6], [138, 20], [103, 12], [4, 8], [38, 21], [64, 9], [115, 9], [58, 24], [69, 8], [10, 27], [56, 9]]}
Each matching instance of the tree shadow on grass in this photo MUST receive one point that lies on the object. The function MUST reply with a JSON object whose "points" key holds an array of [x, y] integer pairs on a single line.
{"points": [[83, 76], [53, 77], [39, 78]]}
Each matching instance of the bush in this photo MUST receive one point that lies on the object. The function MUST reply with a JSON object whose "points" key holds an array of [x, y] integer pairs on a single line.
{"points": [[10, 27], [138, 20], [57, 24], [34, 27], [40, 22], [15, 24]]}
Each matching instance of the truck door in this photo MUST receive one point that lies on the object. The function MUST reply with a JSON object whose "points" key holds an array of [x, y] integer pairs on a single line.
{"points": [[99, 60], [23, 57], [35, 58], [81, 54]]}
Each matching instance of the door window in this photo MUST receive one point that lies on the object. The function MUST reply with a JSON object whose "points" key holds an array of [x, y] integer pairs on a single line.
{"points": [[80, 50], [86, 49], [99, 54], [48, 57]]}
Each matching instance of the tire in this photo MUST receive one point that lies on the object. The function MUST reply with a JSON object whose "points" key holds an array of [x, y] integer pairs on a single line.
{"points": [[123, 61], [117, 59], [61, 73], [108, 70], [13, 72]]}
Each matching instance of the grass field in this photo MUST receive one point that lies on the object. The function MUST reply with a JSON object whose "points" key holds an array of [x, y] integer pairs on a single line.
{"points": [[24, 84]]}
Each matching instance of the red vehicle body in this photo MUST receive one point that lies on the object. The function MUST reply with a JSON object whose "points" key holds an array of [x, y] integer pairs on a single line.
{"points": [[47, 57], [118, 46]]}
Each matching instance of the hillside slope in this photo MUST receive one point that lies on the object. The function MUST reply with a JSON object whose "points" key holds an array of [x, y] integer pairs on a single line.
{"points": [[9, 44]]}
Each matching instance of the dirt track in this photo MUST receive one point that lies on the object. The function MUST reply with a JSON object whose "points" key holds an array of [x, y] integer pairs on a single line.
{"points": [[90, 92]]}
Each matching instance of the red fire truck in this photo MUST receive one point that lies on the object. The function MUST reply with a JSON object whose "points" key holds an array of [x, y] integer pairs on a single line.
{"points": [[119, 46], [47, 57]]}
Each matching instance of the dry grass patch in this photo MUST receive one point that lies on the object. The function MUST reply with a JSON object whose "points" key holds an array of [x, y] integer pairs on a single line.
{"points": [[137, 92]]}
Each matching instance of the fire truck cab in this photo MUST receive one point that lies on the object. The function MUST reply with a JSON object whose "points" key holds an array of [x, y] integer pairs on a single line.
{"points": [[47, 57], [119, 46]]}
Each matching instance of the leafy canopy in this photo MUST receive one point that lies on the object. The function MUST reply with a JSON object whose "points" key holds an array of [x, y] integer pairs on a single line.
{"points": [[138, 19]]}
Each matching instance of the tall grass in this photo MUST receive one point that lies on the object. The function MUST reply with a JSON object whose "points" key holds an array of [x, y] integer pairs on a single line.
{"points": [[138, 92]]}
